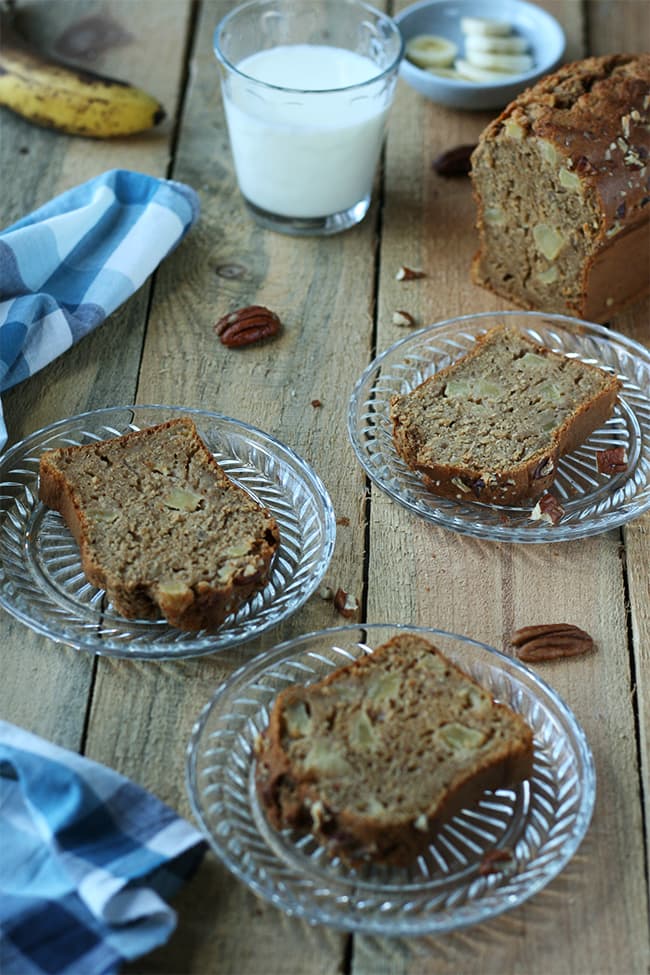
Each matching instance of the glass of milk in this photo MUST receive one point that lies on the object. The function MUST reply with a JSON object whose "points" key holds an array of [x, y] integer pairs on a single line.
{"points": [[307, 86]]}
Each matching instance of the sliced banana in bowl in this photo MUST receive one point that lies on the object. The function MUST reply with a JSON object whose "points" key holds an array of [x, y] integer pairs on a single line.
{"points": [[512, 44], [431, 51], [491, 46], [457, 56], [498, 61], [485, 27]]}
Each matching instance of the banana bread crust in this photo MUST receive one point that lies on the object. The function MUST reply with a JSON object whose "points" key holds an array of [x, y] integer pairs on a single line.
{"points": [[560, 180], [377, 756], [160, 526], [477, 429]]}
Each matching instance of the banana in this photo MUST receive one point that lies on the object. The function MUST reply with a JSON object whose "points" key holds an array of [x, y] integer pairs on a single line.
{"points": [[512, 63], [69, 99], [485, 26], [446, 73], [431, 51], [470, 72], [493, 45]]}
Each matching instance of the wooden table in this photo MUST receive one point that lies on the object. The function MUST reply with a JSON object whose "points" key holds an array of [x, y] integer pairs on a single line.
{"points": [[336, 297]]}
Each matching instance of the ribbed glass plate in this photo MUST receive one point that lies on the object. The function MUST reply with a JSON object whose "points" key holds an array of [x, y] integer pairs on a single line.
{"points": [[593, 502], [41, 580], [541, 822]]}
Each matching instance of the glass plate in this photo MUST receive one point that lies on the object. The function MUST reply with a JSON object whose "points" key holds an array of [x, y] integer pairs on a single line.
{"points": [[41, 580], [541, 822], [593, 502]]}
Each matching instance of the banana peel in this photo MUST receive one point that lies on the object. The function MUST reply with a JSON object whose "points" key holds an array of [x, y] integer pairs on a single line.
{"points": [[69, 99]]}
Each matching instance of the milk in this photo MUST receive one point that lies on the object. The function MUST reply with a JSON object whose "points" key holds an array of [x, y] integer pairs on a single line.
{"points": [[311, 151]]}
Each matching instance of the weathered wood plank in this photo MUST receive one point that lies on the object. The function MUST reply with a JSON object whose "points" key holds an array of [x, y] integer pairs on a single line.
{"points": [[625, 26], [323, 291], [484, 590], [45, 686], [141, 714]]}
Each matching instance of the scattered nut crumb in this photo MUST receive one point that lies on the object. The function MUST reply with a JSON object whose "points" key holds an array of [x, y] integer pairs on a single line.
{"points": [[491, 860], [403, 318], [326, 592], [346, 604], [548, 508], [316, 403], [344, 521], [409, 274]]}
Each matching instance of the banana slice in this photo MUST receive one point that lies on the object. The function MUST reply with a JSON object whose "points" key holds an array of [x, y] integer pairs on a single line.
{"points": [[483, 75], [431, 51], [485, 26], [493, 45], [446, 73], [512, 63]]}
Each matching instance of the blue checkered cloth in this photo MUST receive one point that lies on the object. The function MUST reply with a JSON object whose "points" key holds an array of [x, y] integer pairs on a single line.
{"points": [[87, 862], [73, 261]]}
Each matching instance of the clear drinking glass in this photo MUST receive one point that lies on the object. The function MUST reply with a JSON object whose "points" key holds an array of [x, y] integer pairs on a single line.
{"points": [[307, 87]]}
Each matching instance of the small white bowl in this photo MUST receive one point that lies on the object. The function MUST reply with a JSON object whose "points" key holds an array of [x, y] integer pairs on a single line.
{"points": [[545, 38]]}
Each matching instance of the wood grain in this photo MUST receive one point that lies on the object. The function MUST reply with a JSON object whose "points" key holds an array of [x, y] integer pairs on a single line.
{"points": [[323, 292], [484, 590], [102, 369], [336, 297]]}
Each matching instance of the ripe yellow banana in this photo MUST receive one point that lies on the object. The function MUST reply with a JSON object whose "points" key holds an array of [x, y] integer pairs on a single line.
{"points": [[68, 98]]}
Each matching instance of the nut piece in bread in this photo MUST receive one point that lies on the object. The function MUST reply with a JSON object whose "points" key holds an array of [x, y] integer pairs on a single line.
{"points": [[492, 426], [375, 757], [560, 180], [160, 526]]}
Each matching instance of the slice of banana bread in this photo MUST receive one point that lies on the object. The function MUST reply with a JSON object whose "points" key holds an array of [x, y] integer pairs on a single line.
{"points": [[492, 426], [560, 180], [375, 757], [160, 526]]}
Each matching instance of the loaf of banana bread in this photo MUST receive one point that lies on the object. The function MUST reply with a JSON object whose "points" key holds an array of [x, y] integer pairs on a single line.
{"points": [[561, 182], [376, 756], [492, 426], [160, 526]]}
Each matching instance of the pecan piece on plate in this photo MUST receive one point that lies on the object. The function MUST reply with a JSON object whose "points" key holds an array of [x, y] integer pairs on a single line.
{"points": [[247, 325], [611, 461], [548, 508], [493, 860], [549, 641]]}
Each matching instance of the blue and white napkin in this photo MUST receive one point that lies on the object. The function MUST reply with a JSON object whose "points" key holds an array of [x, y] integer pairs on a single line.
{"points": [[87, 862], [68, 265]]}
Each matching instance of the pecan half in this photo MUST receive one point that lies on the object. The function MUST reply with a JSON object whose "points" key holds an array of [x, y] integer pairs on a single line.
{"points": [[611, 461], [454, 162], [548, 641], [346, 604], [548, 508], [247, 325]]}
